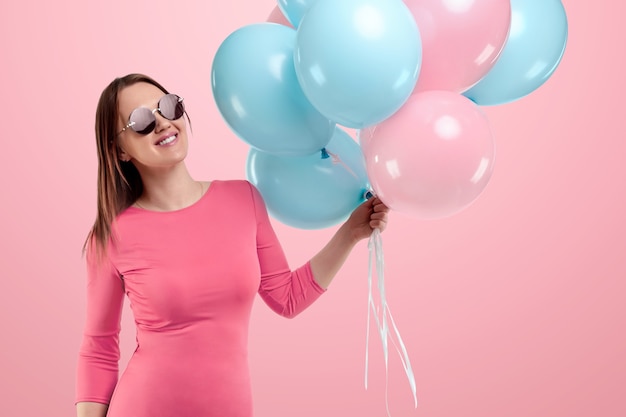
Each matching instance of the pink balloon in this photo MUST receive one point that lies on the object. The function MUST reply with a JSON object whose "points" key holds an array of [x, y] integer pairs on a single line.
{"points": [[433, 157], [277, 16], [461, 40]]}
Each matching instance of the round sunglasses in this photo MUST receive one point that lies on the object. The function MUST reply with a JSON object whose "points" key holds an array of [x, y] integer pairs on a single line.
{"points": [[143, 121]]}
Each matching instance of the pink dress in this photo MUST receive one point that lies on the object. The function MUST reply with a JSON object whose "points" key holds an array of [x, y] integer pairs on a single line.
{"points": [[191, 276]]}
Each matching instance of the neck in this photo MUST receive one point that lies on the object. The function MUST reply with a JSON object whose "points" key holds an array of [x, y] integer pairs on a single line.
{"points": [[168, 189]]}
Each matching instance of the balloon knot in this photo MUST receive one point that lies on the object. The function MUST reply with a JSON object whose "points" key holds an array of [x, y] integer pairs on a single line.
{"points": [[325, 154]]}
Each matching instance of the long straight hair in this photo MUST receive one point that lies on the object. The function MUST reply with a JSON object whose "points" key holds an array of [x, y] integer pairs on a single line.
{"points": [[119, 183]]}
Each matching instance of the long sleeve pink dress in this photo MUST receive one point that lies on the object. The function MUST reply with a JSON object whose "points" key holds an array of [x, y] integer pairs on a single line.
{"points": [[191, 276]]}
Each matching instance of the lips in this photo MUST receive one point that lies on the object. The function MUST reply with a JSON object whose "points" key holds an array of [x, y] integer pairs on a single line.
{"points": [[166, 139]]}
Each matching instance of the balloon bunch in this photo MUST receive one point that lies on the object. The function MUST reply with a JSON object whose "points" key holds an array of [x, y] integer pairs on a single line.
{"points": [[408, 75]]}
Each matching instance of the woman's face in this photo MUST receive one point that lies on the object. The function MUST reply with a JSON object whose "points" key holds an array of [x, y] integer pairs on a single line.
{"points": [[163, 147]]}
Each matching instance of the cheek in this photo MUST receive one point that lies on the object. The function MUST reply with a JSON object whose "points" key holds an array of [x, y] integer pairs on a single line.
{"points": [[122, 146], [136, 148], [181, 125], [183, 132]]}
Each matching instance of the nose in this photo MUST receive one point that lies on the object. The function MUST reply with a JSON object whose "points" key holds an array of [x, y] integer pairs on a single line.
{"points": [[161, 122]]}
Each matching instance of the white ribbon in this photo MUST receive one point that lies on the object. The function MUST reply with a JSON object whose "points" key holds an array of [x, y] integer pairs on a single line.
{"points": [[375, 247]]}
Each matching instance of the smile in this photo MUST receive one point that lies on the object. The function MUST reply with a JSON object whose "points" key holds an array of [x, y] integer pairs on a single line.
{"points": [[167, 140]]}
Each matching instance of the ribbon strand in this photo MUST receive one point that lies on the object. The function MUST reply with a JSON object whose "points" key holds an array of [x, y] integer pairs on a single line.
{"points": [[338, 161], [376, 256]]}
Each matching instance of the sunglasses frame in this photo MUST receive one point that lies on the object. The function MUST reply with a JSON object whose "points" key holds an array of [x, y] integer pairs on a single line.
{"points": [[179, 99]]}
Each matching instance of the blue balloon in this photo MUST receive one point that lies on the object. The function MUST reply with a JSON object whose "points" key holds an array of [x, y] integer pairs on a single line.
{"points": [[358, 60], [294, 10], [257, 92], [315, 191], [533, 51]]}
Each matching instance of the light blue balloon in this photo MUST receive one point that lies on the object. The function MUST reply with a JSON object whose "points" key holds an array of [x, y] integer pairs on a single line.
{"points": [[358, 60], [257, 92], [311, 192], [294, 10], [531, 54]]}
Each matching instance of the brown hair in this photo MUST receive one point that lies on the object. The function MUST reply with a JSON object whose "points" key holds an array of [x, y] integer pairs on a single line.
{"points": [[119, 183]]}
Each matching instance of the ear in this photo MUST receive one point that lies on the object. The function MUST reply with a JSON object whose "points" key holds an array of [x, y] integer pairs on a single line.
{"points": [[124, 157]]}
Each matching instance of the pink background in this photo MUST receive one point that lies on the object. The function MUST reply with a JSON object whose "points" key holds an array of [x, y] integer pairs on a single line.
{"points": [[514, 307]]}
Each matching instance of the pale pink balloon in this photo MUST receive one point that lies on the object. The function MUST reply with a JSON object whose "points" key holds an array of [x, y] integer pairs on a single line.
{"points": [[277, 16], [433, 157], [461, 40]]}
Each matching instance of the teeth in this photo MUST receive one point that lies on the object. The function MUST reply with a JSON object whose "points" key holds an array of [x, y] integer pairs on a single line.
{"points": [[167, 140]]}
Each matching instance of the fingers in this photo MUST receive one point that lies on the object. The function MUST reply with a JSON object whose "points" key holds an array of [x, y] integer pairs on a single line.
{"points": [[378, 224], [379, 207], [378, 213], [378, 218]]}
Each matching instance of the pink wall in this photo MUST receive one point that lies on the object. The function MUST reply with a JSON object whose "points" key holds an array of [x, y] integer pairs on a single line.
{"points": [[514, 307]]}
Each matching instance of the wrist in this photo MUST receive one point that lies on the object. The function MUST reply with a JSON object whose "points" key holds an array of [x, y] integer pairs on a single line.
{"points": [[348, 235]]}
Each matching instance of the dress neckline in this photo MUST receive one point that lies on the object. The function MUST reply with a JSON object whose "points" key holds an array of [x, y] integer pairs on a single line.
{"points": [[204, 196]]}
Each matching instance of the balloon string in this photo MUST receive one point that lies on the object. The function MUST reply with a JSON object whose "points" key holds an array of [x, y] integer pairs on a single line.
{"points": [[376, 253], [337, 160]]}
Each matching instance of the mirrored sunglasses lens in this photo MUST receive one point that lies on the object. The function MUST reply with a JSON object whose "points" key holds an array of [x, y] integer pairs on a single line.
{"points": [[171, 107], [143, 119]]}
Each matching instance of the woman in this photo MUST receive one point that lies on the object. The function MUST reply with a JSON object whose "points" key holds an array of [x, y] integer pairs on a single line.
{"points": [[190, 256]]}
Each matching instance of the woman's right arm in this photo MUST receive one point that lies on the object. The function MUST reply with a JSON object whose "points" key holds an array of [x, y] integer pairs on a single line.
{"points": [[88, 409], [99, 354]]}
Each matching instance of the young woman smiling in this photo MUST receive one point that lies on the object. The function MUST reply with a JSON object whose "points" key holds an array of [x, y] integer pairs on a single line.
{"points": [[190, 256]]}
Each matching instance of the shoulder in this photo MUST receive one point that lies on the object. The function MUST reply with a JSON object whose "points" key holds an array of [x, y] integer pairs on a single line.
{"points": [[237, 188], [241, 195]]}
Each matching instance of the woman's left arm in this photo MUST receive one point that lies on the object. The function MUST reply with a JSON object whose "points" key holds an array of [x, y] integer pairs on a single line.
{"points": [[289, 292], [370, 215]]}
